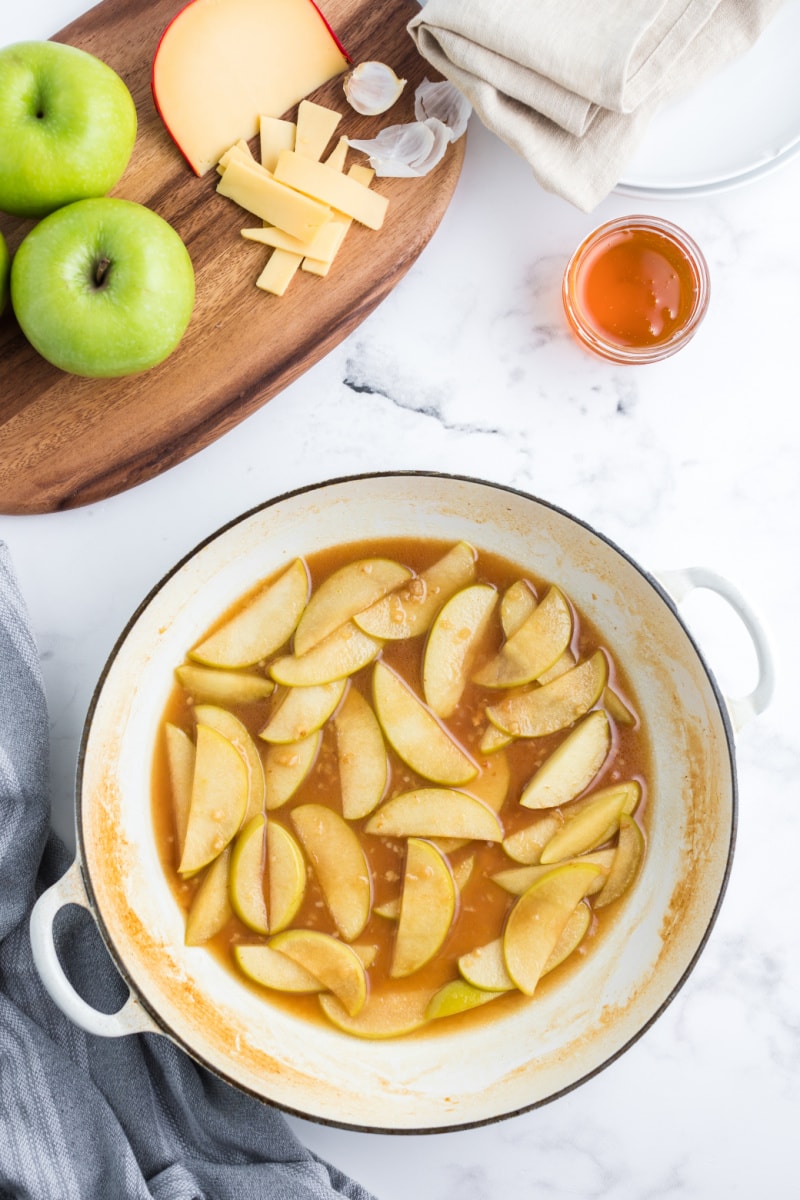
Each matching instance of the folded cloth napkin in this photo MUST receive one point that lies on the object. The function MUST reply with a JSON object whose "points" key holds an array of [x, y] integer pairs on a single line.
{"points": [[89, 1118], [572, 84]]}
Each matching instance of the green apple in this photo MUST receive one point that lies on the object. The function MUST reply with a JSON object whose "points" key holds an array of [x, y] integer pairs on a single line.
{"points": [[103, 288], [69, 124], [5, 271], [68, 127]]}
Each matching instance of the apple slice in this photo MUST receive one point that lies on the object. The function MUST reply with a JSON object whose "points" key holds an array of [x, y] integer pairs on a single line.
{"points": [[340, 866], [494, 739], [427, 908], [286, 875], [236, 732], [526, 845], [346, 592], [221, 63], [453, 641], [617, 708], [593, 823], [570, 937], [517, 880], [572, 766], [211, 907], [220, 788], [626, 862], [271, 969], [554, 705], [517, 603], [538, 918], [537, 644], [340, 654], [363, 763], [286, 765], [436, 813], [415, 733], [210, 685], [261, 627], [247, 875], [180, 765], [385, 1014], [410, 611], [455, 997], [492, 783], [485, 968], [335, 964], [301, 711], [565, 662]]}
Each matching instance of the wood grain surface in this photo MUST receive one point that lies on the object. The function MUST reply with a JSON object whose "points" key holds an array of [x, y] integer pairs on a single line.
{"points": [[67, 441]]}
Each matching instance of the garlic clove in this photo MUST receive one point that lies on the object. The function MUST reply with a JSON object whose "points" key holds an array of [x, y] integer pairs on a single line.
{"points": [[372, 88], [406, 151], [444, 102]]}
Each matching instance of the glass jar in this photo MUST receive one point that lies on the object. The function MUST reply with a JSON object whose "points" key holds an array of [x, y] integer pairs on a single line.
{"points": [[636, 290]]}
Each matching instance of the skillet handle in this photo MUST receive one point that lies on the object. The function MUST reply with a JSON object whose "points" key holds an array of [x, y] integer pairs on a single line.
{"points": [[679, 584], [131, 1018]]}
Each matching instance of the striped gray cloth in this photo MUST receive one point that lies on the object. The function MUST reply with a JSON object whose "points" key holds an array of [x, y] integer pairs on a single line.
{"points": [[88, 1118]]}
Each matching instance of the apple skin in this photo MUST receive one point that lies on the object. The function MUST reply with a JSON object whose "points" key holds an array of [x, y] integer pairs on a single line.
{"points": [[5, 272], [130, 320], [69, 125]]}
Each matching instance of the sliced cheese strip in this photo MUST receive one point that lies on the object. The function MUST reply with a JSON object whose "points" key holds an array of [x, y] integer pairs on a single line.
{"points": [[274, 135], [322, 245], [219, 65], [336, 158], [253, 188], [315, 128], [341, 192], [335, 231], [279, 272], [239, 150]]}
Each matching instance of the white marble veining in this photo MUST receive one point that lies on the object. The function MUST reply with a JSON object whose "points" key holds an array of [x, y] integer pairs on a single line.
{"points": [[468, 368]]}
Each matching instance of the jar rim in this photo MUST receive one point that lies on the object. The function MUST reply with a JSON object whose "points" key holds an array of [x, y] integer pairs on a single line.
{"points": [[617, 351]]}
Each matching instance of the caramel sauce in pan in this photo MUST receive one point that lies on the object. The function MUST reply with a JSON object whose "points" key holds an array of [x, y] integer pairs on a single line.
{"points": [[482, 904]]}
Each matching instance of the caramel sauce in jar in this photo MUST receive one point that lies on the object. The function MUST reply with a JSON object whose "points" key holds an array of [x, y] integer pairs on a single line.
{"points": [[636, 290]]}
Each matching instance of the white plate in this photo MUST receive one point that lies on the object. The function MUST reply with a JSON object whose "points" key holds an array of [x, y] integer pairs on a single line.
{"points": [[737, 126]]}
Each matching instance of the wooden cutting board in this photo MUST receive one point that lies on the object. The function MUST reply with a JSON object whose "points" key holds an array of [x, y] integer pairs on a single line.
{"points": [[66, 441]]}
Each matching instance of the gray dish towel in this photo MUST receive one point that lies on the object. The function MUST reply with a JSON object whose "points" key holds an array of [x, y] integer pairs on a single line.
{"points": [[571, 85], [88, 1118]]}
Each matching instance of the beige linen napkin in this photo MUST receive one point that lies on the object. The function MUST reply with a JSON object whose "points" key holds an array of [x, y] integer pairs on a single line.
{"points": [[572, 84]]}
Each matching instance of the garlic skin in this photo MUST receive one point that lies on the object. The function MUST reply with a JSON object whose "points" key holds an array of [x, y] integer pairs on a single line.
{"points": [[371, 88], [444, 102]]}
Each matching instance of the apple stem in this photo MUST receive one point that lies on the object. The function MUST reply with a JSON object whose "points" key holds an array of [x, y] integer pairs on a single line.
{"points": [[100, 271]]}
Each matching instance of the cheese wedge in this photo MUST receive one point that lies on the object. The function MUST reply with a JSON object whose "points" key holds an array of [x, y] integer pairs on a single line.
{"points": [[221, 63], [250, 186], [341, 192]]}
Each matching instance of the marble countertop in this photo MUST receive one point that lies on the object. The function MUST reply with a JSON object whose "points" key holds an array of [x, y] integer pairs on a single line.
{"points": [[467, 367]]}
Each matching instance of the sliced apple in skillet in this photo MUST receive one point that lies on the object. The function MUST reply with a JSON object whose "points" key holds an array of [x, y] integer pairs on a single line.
{"points": [[301, 711], [272, 969], [593, 822], [286, 765], [526, 845], [427, 908], [385, 1014], [415, 733], [537, 644], [436, 813], [453, 640], [220, 789], [363, 763], [346, 592], [340, 654], [262, 626], [572, 766], [340, 866], [286, 876], [538, 918], [236, 732], [248, 860], [212, 685], [455, 997], [335, 964], [410, 611], [180, 765], [517, 880], [516, 605], [626, 862], [555, 705], [211, 907]]}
